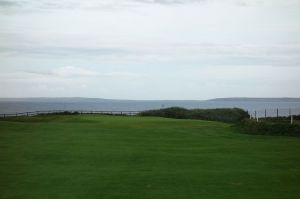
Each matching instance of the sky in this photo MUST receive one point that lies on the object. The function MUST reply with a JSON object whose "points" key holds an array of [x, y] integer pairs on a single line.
{"points": [[150, 49]]}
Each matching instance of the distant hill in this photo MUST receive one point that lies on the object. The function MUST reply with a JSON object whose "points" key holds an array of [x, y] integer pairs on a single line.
{"points": [[54, 99], [83, 99], [14, 105], [249, 99]]}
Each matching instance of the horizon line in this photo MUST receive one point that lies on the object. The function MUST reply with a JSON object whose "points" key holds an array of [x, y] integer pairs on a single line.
{"points": [[123, 99]]}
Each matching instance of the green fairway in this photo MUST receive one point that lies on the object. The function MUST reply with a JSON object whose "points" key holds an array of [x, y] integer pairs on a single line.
{"points": [[103, 157]]}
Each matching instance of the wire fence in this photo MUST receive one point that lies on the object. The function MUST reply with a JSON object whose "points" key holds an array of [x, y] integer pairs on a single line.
{"points": [[261, 113], [34, 113], [277, 112]]}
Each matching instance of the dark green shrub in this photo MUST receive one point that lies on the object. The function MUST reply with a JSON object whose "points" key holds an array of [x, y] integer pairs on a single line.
{"points": [[173, 112], [269, 127], [62, 113], [221, 114]]}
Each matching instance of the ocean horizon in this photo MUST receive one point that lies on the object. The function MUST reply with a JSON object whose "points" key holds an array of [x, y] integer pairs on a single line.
{"points": [[285, 106]]}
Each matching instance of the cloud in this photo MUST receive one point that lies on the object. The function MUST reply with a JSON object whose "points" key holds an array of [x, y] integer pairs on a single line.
{"points": [[112, 43], [5, 3], [65, 72], [62, 51], [65, 4], [71, 71], [169, 53], [95, 4], [165, 2], [123, 75], [74, 72]]}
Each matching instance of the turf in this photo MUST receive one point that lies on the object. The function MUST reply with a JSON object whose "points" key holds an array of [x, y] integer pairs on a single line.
{"points": [[89, 156]]}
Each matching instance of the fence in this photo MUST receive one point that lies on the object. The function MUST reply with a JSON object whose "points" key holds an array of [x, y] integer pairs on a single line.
{"points": [[33, 113], [260, 113], [277, 112]]}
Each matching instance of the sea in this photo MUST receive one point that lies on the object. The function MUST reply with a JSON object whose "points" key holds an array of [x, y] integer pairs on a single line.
{"points": [[260, 106]]}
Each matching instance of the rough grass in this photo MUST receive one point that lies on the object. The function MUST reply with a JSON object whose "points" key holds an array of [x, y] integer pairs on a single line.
{"points": [[84, 156]]}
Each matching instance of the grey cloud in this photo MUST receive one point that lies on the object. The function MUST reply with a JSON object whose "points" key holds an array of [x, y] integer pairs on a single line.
{"points": [[62, 4], [5, 3], [103, 4], [65, 51], [66, 71], [42, 4], [169, 1], [74, 71], [203, 54]]}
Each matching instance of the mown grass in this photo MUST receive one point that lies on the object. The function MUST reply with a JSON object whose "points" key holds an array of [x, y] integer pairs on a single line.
{"points": [[89, 156]]}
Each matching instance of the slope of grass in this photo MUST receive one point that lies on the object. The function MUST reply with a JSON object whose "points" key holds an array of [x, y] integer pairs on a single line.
{"points": [[105, 157]]}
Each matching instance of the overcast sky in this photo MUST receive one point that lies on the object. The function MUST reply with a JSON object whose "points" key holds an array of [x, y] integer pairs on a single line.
{"points": [[150, 49]]}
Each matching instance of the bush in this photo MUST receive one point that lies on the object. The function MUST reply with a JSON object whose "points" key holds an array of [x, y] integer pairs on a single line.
{"points": [[173, 112], [221, 114], [62, 113], [269, 127]]}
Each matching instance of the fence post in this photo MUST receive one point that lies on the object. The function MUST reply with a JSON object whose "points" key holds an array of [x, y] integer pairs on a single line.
{"points": [[265, 113], [291, 116], [277, 112], [255, 114]]}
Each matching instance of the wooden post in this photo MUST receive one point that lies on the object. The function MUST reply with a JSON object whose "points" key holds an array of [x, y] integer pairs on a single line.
{"points": [[255, 114], [291, 116], [265, 113], [277, 112]]}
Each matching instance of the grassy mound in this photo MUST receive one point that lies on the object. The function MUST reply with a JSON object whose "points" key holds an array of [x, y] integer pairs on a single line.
{"points": [[220, 114]]}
